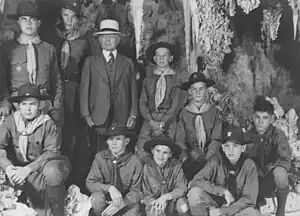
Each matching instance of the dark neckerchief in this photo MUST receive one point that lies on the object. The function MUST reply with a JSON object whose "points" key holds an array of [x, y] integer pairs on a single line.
{"points": [[162, 174], [231, 172], [116, 163]]}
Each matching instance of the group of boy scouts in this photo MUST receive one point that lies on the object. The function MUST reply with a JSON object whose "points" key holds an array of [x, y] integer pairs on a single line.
{"points": [[186, 162]]}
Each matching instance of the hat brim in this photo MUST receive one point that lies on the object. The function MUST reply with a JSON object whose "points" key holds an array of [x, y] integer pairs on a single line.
{"points": [[96, 34], [20, 98], [186, 85], [129, 134], [17, 16], [150, 52], [149, 145]]}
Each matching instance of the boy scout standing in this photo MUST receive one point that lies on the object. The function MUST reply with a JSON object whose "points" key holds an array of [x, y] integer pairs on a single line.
{"points": [[228, 184], [199, 130], [108, 93], [29, 153], [28, 59], [272, 154], [115, 177], [164, 184], [160, 95]]}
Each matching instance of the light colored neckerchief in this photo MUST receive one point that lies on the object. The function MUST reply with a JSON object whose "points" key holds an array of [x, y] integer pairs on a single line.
{"points": [[65, 51], [31, 57], [27, 130], [161, 85], [199, 125]]}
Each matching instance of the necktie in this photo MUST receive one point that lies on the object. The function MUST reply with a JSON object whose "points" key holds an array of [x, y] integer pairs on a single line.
{"points": [[111, 58]]}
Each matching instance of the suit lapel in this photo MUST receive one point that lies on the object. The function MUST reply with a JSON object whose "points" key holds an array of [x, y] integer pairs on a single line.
{"points": [[100, 65]]}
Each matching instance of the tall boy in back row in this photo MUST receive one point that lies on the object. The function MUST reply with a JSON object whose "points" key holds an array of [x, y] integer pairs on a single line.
{"points": [[271, 152]]}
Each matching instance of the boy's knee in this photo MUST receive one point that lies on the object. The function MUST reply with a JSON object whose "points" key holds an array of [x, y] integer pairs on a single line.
{"points": [[182, 205], [98, 201], [56, 172], [194, 196], [281, 177]]}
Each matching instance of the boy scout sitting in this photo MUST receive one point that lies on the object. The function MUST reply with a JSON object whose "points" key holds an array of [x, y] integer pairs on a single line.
{"points": [[271, 152], [164, 184], [228, 184], [29, 153], [115, 177]]}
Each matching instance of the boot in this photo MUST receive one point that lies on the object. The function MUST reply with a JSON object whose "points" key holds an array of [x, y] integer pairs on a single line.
{"points": [[281, 195]]}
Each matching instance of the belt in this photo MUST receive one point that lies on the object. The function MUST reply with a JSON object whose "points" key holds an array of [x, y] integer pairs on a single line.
{"points": [[71, 78], [162, 110]]}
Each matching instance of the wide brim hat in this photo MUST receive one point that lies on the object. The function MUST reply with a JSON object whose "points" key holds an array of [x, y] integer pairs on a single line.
{"points": [[26, 8], [73, 5], [162, 140], [108, 26], [150, 52], [197, 77], [119, 130], [28, 91]]}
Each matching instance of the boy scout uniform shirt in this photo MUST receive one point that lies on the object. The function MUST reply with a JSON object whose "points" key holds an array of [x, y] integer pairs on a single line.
{"points": [[186, 136], [169, 179], [43, 145], [268, 150], [48, 76], [130, 173], [212, 180]]}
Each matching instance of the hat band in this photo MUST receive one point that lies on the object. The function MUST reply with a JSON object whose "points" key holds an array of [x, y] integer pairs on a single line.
{"points": [[108, 29]]}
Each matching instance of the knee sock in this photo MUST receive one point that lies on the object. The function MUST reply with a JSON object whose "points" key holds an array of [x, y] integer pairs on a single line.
{"points": [[281, 196]]}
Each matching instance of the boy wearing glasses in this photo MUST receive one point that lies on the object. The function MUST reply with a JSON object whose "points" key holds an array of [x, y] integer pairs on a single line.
{"points": [[28, 59]]}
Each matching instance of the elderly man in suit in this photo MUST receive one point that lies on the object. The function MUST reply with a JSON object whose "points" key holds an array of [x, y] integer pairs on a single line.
{"points": [[108, 93]]}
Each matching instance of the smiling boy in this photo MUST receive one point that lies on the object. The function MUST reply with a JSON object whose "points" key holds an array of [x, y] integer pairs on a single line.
{"points": [[164, 184], [271, 152], [115, 177], [228, 184]]}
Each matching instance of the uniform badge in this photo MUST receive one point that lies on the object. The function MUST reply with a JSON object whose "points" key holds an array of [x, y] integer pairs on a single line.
{"points": [[18, 68], [229, 134]]}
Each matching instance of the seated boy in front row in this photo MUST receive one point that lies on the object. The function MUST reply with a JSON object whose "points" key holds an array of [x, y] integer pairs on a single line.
{"points": [[115, 177], [272, 154], [228, 184], [164, 184]]}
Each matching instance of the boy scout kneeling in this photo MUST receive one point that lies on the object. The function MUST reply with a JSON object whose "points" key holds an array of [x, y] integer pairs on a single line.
{"points": [[115, 177], [164, 184], [228, 184]]}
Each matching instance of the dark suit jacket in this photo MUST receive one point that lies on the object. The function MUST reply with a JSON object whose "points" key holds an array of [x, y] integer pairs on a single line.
{"points": [[95, 96]]}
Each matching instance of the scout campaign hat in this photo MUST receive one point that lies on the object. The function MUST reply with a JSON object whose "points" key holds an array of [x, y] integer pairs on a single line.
{"points": [[150, 52], [73, 5], [234, 134], [162, 140], [26, 8], [197, 77], [108, 26], [28, 91], [116, 130]]}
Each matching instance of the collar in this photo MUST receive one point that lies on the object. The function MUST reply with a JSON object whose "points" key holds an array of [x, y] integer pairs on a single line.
{"points": [[106, 54], [266, 134]]}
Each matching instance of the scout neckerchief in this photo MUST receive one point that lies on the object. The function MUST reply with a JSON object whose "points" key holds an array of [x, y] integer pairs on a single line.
{"points": [[199, 125], [30, 55], [162, 175], [65, 51], [27, 130], [115, 177], [161, 84], [231, 172]]}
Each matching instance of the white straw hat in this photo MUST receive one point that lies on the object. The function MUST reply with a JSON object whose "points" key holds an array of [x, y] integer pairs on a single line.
{"points": [[108, 26]]}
